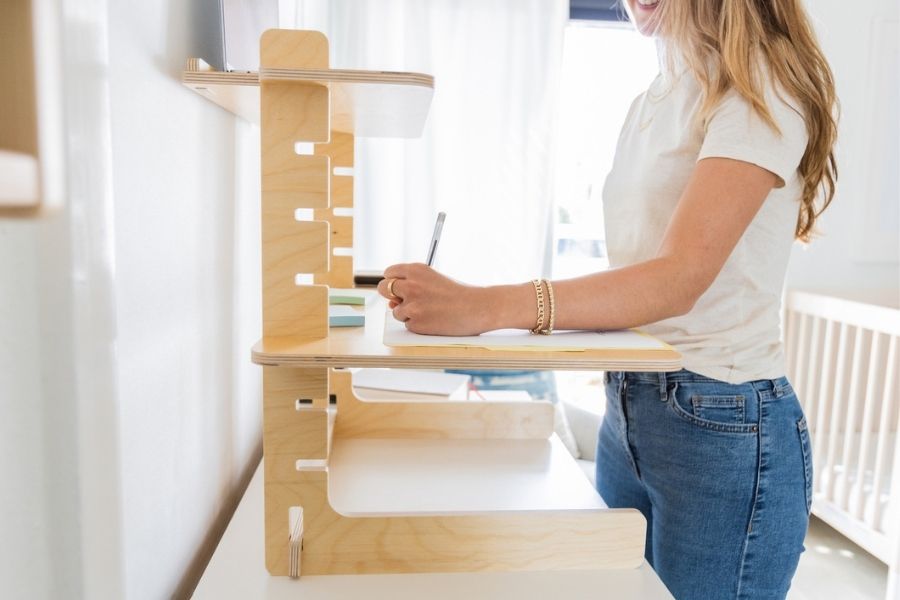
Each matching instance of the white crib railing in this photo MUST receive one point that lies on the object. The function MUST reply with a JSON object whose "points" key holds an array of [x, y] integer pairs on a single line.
{"points": [[842, 359]]}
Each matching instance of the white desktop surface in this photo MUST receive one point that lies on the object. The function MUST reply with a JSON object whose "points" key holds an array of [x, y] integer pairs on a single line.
{"points": [[237, 571]]}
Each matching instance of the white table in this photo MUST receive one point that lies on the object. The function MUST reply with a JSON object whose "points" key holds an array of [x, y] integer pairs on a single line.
{"points": [[237, 571]]}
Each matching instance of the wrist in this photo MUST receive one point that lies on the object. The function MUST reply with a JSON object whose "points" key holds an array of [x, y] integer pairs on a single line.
{"points": [[509, 306]]}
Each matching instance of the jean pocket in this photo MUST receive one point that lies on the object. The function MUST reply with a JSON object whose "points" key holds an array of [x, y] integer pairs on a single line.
{"points": [[721, 409], [805, 449], [717, 412]]}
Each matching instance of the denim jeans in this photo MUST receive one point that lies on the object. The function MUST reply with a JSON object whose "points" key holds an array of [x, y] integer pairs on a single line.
{"points": [[722, 473], [540, 385]]}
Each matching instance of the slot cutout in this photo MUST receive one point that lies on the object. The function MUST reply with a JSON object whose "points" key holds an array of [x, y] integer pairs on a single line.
{"points": [[312, 464], [304, 148]]}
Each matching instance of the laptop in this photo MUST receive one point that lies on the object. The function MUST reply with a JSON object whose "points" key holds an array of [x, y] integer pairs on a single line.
{"points": [[230, 31]]}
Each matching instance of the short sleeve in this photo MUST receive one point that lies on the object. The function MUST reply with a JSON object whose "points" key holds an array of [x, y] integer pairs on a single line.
{"points": [[736, 131]]}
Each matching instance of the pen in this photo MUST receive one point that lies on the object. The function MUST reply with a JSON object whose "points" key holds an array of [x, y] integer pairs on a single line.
{"points": [[438, 226]]}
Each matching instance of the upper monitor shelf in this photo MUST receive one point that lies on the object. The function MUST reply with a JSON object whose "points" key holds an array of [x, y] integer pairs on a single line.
{"points": [[364, 103]]}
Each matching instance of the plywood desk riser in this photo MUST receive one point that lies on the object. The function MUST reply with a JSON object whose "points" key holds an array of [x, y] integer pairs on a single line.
{"points": [[316, 429], [236, 571]]}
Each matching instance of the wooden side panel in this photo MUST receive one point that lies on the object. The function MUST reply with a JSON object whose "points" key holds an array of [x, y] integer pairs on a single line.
{"points": [[294, 112], [341, 232], [291, 49], [340, 151], [293, 247], [289, 435], [340, 275], [295, 431], [340, 148], [296, 181], [283, 489], [342, 191], [284, 384], [295, 434], [340, 229], [437, 420], [292, 310], [334, 544]]}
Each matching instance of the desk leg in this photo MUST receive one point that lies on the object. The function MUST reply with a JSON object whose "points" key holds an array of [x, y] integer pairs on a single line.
{"points": [[295, 429]]}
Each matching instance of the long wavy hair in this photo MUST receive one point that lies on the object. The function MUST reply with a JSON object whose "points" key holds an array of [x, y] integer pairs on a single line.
{"points": [[734, 44]]}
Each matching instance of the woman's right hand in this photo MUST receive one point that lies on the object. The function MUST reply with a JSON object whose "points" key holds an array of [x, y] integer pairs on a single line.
{"points": [[430, 303]]}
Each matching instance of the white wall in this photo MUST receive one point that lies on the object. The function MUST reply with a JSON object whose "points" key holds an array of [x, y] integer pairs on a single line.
{"points": [[186, 295], [129, 409], [22, 417], [831, 263]]}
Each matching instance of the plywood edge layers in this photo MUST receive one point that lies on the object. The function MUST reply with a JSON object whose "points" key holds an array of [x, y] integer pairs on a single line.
{"points": [[613, 361]]}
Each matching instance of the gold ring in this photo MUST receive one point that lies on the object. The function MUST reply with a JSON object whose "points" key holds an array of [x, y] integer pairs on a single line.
{"points": [[390, 288]]}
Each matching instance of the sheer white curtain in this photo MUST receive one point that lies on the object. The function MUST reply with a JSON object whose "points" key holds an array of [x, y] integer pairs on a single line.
{"points": [[485, 155]]}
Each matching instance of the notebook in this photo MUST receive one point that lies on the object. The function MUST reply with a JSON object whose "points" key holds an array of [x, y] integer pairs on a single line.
{"points": [[416, 381], [396, 334]]}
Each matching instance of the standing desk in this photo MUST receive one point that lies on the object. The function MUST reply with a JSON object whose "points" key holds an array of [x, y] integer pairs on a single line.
{"points": [[236, 572], [361, 487]]}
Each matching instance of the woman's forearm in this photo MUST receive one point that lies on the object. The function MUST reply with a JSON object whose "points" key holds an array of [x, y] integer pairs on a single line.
{"points": [[616, 299]]}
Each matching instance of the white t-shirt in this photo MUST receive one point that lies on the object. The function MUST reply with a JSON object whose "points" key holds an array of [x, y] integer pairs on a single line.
{"points": [[733, 332]]}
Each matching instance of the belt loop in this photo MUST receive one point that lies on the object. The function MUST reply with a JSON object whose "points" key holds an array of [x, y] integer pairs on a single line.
{"points": [[778, 388], [663, 386]]}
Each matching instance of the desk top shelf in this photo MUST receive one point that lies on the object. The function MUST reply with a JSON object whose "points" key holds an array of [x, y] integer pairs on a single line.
{"points": [[364, 103], [363, 347]]}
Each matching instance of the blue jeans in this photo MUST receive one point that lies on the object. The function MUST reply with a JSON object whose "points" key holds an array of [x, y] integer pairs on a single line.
{"points": [[541, 385], [721, 472]]}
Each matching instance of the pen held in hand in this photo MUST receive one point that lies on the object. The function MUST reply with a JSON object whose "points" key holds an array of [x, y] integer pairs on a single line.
{"points": [[436, 237]]}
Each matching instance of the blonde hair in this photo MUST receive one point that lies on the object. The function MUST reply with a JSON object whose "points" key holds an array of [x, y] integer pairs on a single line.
{"points": [[732, 44]]}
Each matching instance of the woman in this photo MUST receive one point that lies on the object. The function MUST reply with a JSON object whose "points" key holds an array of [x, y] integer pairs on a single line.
{"points": [[721, 164]]}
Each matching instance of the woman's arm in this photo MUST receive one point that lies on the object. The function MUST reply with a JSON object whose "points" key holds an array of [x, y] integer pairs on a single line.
{"points": [[719, 202]]}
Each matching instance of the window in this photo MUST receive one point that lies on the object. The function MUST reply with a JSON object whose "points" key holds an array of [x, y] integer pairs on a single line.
{"points": [[605, 65]]}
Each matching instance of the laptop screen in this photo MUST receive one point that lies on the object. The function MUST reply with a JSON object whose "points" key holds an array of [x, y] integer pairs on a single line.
{"points": [[245, 21]]}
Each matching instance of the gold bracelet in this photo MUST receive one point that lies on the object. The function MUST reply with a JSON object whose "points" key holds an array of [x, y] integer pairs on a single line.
{"points": [[539, 294], [552, 307]]}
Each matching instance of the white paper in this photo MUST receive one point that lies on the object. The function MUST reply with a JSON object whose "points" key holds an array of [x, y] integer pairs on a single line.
{"points": [[410, 380], [396, 334]]}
